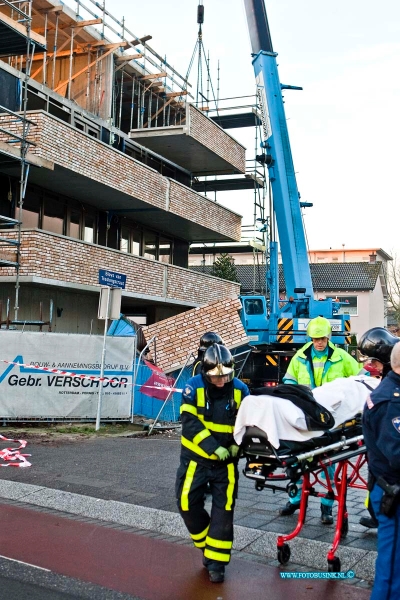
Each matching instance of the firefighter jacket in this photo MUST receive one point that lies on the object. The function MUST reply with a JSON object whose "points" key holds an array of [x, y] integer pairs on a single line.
{"points": [[381, 429], [338, 363], [208, 420]]}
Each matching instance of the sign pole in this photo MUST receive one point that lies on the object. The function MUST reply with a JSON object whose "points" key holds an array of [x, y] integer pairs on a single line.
{"points": [[103, 358]]}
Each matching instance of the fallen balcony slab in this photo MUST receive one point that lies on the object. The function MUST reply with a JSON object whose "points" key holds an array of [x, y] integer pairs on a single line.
{"points": [[199, 145]]}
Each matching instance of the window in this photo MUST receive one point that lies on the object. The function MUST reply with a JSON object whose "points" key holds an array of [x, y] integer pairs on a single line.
{"points": [[124, 241], [136, 242], [53, 217], [150, 245], [30, 210], [349, 306], [89, 231], [164, 250], [74, 223]]}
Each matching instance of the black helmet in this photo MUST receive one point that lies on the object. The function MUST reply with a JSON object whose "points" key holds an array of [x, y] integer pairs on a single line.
{"points": [[377, 343], [217, 362], [208, 338]]}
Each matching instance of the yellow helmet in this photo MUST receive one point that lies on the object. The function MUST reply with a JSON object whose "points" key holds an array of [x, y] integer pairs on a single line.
{"points": [[319, 327]]}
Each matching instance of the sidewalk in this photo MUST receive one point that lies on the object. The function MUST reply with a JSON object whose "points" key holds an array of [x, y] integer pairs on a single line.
{"points": [[130, 481]]}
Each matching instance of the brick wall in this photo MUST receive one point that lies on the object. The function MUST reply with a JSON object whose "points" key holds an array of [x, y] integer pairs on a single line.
{"points": [[51, 256], [72, 149], [209, 134], [180, 335]]}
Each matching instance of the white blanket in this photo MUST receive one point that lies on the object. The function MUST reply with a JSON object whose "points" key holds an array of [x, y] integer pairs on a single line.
{"points": [[283, 420]]}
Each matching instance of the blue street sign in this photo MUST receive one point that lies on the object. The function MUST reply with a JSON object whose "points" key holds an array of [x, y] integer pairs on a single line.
{"points": [[112, 279]]}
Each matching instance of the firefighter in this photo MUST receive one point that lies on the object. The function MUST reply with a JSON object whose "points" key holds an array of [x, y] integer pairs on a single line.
{"points": [[381, 428], [208, 338], [210, 402], [374, 349], [318, 362]]}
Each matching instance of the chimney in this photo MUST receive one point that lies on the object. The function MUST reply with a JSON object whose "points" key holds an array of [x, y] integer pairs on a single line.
{"points": [[372, 259]]}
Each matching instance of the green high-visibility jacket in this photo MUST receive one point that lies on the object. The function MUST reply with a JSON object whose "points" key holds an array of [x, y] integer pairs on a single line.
{"points": [[338, 364]]}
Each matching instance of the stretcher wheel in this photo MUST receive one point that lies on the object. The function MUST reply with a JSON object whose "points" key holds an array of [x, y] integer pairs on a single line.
{"points": [[284, 554], [334, 565], [292, 490], [345, 528]]}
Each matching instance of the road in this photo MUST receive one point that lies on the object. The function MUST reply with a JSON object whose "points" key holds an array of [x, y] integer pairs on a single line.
{"points": [[109, 562]]}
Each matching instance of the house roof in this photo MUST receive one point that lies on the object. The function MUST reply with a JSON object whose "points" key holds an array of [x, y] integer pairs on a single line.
{"points": [[360, 276]]}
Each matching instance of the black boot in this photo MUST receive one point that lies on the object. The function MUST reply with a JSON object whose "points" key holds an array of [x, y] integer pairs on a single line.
{"points": [[289, 509], [216, 576], [368, 522], [326, 514]]}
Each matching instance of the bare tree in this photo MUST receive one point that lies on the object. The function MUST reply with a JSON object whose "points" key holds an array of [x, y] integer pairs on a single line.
{"points": [[393, 286]]}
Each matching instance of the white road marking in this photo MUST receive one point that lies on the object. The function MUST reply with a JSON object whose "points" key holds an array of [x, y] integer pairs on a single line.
{"points": [[21, 562]]}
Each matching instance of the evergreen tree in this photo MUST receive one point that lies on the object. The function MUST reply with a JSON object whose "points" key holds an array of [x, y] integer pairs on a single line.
{"points": [[224, 268]]}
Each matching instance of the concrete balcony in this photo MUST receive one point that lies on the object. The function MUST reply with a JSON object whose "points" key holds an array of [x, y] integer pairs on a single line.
{"points": [[56, 261], [199, 145], [93, 172]]}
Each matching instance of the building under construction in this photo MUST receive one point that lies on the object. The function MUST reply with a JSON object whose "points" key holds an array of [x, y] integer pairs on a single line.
{"points": [[102, 155]]}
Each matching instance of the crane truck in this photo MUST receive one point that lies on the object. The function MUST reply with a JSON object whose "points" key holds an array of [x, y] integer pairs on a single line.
{"points": [[276, 326]]}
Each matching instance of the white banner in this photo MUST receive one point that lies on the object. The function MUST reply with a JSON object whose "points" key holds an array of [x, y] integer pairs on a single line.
{"points": [[26, 392]]}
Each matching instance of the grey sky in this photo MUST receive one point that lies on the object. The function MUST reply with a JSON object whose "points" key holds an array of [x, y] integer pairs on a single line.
{"points": [[344, 126]]}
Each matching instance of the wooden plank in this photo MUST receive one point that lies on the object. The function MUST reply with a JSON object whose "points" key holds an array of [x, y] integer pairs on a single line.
{"points": [[22, 29], [154, 75], [57, 8], [62, 53], [141, 40], [107, 46], [87, 23], [128, 57], [174, 94]]}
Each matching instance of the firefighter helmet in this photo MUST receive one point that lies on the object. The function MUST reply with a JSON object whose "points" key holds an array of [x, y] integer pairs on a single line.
{"points": [[208, 338], [217, 363], [377, 343]]}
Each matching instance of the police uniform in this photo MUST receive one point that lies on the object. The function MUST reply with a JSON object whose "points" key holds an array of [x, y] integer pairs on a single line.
{"points": [[381, 428], [208, 417]]}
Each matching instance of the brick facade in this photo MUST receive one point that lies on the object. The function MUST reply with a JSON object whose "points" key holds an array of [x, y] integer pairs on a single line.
{"points": [[209, 134], [50, 256], [77, 151], [178, 336]]}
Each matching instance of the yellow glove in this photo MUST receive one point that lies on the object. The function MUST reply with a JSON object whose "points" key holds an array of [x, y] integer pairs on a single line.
{"points": [[222, 453], [234, 450]]}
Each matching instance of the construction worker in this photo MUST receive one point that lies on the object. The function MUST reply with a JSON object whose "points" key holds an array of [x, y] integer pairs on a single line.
{"points": [[208, 338], [318, 362], [374, 349], [210, 402], [381, 428]]}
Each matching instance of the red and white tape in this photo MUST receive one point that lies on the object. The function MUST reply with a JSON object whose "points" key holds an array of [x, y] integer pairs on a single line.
{"points": [[12, 455], [91, 377]]}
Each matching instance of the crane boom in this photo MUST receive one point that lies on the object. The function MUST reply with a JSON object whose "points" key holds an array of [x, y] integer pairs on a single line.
{"points": [[286, 198]]}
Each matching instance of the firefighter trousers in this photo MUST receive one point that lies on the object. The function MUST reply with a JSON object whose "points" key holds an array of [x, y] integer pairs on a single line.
{"points": [[212, 533]]}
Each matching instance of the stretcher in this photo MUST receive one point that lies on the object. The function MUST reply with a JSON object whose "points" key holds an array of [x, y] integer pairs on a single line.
{"points": [[280, 465]]}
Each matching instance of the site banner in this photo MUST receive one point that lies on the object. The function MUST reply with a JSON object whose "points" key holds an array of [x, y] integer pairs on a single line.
{"points": [[30, 390]]}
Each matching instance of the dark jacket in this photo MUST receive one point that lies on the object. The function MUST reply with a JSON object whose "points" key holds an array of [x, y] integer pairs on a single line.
{"points": [[208, 417], [381, 428]]}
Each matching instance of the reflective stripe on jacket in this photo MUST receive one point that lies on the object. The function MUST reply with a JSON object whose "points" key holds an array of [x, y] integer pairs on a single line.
{"points": [[338, 364], [208, 424]]}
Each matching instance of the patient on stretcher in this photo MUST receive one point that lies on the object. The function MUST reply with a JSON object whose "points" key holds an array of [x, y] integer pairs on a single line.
{"points": [[281, 419]]}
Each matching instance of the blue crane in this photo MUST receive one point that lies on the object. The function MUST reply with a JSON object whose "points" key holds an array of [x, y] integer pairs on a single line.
{"points": [[275, 323]]}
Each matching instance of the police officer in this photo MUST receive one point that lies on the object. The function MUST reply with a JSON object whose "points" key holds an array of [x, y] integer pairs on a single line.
{"points": [[381, 428], [208, 338], [210, 402], [316, 363], [374, 349]]}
